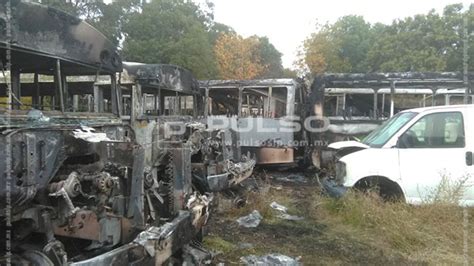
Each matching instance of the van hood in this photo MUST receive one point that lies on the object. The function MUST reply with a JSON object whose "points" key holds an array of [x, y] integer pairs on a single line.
{"points": [[347, 144]]}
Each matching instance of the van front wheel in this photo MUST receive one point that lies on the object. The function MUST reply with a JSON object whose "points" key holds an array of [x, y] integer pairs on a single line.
{"points": [[384, 187]]}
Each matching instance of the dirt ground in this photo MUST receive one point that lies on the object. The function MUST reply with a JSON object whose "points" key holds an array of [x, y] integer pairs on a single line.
{"points": [[311, 240]]}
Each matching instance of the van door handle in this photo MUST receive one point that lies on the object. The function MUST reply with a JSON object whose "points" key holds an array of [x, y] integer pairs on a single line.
{"points": [[469, 161]]}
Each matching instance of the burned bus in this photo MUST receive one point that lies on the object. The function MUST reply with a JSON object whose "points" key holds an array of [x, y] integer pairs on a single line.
{"points": [[267, 113], [357, 103], [166, 110], [75, 188]]}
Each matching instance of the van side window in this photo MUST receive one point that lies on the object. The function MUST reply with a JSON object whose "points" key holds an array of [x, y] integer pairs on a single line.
{"points": [[439, 130]]}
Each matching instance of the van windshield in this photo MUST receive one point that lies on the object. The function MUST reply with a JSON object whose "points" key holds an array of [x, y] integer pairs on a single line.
{"points": [[382, 134]]}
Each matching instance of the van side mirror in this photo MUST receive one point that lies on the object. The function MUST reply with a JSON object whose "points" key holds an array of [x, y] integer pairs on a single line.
{"points": [[401, 143], [469, 160], [407, 140]]}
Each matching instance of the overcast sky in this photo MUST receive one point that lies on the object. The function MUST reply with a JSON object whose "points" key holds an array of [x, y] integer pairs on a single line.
{"points": [[287, 22]]}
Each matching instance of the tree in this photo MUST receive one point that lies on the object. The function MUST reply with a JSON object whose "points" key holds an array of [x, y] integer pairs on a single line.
{"points": [[78, 8], [269, 57], [353, 36], [168, 31], [238, 58], [340, 47], [217, 29], [321, 53], [426, 42], [171, 32], [289, 73], [113, 18], [454, 25], [413, 44]]}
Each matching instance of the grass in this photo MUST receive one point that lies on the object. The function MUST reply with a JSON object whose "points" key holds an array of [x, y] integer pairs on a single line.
{"points": [[433, 233], [449, 191], [358, 229], [219, 245]]}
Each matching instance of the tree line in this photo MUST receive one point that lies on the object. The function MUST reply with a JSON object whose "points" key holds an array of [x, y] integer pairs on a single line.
{"points": [[184, 33], [425, 42]]}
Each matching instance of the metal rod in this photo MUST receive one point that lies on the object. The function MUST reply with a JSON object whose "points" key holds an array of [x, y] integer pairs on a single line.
{"points": [[177, 104], [162, 102], [465, 61], [60, 84], [392, 102], [344, 107], [96, 98], [239, 108], [66, 98], [36, 101], [16, 87], [375, 104], [159, 103], [383, 103], [115, 96], [270, 109]]}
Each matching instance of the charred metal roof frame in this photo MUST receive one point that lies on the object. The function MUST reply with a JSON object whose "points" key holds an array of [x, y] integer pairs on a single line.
{"points": [[162, 76], [253, 85], [40, 35], [247, 83], [377, 81], [384, 80]]}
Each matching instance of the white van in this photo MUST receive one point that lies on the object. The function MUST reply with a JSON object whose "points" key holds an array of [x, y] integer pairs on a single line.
{"points": [[411, 154]]}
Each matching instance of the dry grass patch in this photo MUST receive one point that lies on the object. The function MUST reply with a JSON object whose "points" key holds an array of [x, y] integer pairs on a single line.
{"points": [[358, 229], [432, 233]]}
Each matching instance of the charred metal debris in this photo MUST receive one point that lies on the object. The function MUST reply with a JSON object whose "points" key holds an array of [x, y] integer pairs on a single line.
{"points": [[92, 172]]}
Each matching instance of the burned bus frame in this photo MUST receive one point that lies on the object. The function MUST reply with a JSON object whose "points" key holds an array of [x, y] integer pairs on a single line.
{"points": [[250, 105], [344, 126], [164, 97], [381, 82], [76, 179]]}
